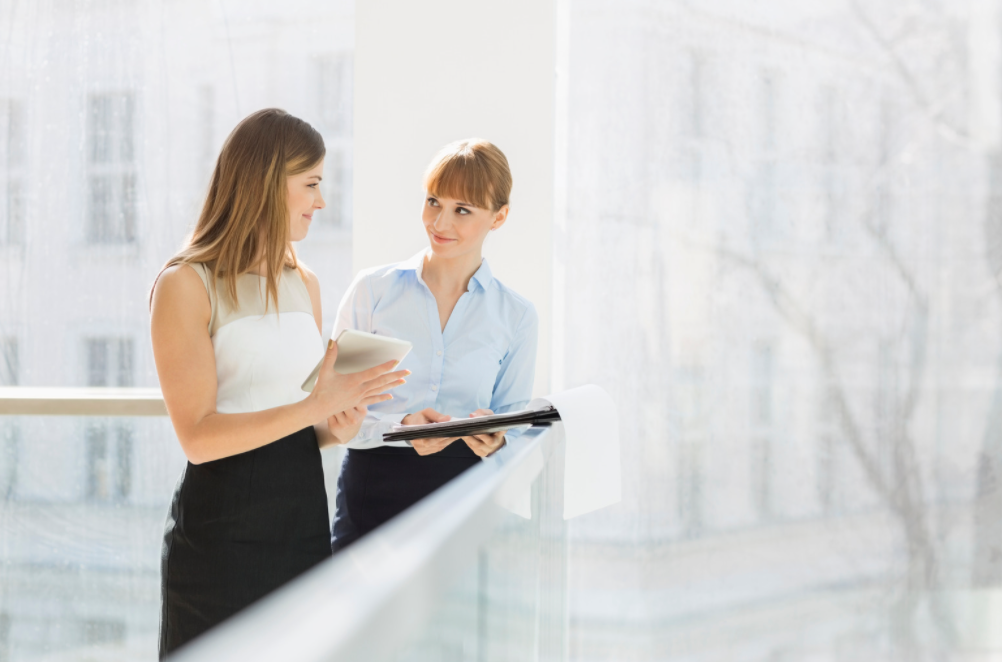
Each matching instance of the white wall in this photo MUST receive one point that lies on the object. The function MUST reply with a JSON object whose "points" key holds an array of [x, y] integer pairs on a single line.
{"points": [[428, 73]]}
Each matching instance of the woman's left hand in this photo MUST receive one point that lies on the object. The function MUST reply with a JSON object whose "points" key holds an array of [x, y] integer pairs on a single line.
{"points": [[346, 424], [484, 444]]}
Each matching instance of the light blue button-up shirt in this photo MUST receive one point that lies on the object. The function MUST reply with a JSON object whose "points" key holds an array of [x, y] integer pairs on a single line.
{"points": [[484, 359]]}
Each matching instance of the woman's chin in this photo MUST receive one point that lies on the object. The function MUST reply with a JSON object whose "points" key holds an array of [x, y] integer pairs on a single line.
{"points": [[443, 250]]}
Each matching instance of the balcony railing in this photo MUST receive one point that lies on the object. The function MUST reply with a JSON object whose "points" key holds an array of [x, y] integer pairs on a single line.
{"points": [[476, 570], [42, 401], [456, 572]]}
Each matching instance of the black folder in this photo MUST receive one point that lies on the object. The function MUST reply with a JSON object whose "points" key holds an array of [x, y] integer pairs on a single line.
{"points": [[464, 427]]}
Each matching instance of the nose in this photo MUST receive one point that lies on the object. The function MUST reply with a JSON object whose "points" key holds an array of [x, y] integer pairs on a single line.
{"points": [[439, 223], [319, 203]]}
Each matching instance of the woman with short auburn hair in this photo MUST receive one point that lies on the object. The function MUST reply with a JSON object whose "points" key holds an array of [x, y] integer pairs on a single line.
{"points": [[474, 344], [235, 324]]}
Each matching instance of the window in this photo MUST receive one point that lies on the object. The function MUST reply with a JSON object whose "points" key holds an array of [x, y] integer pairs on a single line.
{"points": [[761, 385], [9, 362], [689, 387], [693, 128], [334, 109], [109, 361], [885, 404], [334, 74], [206, 148], [10, 441], [109, 444], [4, 637], [828, 453], [765, 185], [333, 186], [102, 632], [10, 429], [883, 194], [833, 193], [111, 179], [761, 427], [13, 155]]}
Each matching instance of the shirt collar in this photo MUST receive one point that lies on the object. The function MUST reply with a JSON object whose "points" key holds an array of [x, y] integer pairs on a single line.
{"points": [[415, 263]]}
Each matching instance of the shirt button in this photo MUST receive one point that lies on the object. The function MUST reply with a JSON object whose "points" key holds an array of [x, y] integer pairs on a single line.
{"points": [[434, 387], [439, 352]]}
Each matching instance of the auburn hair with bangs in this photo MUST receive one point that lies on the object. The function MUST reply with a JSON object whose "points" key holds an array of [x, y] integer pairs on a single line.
{"points": [[245, 218], [474, 171]]}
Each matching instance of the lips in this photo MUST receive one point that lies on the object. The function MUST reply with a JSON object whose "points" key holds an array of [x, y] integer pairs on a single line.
{"points": [[440, 240]]}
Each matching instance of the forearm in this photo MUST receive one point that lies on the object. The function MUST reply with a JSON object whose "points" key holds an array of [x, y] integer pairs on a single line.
{"points": [[216, 435]]}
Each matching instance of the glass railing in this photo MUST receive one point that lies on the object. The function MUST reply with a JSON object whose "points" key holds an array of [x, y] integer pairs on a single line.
{"points": [[477, 571], [483, 569], [83, 500]]}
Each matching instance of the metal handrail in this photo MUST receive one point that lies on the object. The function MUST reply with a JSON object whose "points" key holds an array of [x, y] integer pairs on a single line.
{"points": [[368, 602], [58, 401]]}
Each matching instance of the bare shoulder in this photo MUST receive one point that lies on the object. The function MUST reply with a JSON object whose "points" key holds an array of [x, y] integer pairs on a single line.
{"points": [[313, 289], [309, 277], [311, 280], [178, 289]]}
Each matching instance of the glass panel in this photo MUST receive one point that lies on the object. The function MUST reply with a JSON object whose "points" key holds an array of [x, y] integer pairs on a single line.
{"points": [[786, 240], [511, 603], [83, 503]]}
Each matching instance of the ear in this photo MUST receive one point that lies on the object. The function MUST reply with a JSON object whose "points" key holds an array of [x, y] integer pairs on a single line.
{"points": [[500, 217]]}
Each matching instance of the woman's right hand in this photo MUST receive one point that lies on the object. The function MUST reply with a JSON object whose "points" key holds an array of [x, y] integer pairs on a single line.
{"points": [[423, 417], [335, 393]]}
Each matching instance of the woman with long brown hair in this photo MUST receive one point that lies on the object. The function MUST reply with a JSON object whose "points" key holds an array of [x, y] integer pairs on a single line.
{"points": [[236, 325]]}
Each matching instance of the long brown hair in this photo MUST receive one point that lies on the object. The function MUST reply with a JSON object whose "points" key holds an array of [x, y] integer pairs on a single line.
{"points": [[245, 216]]}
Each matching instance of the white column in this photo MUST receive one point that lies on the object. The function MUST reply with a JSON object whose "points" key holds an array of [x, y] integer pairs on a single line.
{"points": [[428, 73]]}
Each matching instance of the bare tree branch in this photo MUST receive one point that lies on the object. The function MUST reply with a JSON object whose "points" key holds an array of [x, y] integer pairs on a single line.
{"points": [[933, 112]]}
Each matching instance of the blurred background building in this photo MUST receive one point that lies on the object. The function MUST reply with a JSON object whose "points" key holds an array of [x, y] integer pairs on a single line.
{"points": [[780, 255], [783, 209]]}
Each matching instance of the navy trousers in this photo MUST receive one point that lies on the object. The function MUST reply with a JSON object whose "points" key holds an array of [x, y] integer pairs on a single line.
{"points": [[378, 484]]}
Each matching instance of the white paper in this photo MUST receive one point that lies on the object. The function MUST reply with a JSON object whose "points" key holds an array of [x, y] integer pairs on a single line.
{"points": [[592, 478]]}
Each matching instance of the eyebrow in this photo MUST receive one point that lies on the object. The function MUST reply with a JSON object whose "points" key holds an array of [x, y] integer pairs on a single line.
{"points": [[458, 202], [316, 177]]}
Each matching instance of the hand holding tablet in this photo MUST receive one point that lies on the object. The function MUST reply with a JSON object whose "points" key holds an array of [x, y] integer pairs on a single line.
{"points": [[358, 351]]}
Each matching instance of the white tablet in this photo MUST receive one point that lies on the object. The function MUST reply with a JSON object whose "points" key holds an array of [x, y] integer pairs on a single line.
{"points": [[358, 351]]}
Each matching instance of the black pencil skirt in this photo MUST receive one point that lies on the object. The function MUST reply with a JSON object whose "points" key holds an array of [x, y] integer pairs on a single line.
{"points": [[239, 528], [378, 484]]}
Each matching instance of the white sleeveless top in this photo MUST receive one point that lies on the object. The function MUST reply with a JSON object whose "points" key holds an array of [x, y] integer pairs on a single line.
{"points": [[262, 357]]}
